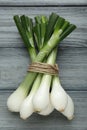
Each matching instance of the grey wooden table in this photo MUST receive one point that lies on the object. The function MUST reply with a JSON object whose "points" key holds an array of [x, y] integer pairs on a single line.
{"points": [[72, 60]]}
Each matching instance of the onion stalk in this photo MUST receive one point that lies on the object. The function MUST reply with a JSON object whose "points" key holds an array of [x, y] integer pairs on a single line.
{"points": [[16, 98]]}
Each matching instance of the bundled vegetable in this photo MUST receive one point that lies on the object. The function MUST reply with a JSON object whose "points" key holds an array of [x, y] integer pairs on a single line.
{"points": [[41, 90]]}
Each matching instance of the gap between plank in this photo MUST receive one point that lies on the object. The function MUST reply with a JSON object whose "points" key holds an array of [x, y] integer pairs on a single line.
{"points": [[44, 5]]}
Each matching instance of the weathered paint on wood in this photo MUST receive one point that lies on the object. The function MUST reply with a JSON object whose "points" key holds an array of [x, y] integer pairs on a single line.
{"points": [[41, 2], [10, 121]]}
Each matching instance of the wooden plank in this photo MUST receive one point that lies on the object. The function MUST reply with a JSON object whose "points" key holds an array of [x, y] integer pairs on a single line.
{"points": [[13, 66], [9, 36], [10, 121], [72, 67], [40, 2]]}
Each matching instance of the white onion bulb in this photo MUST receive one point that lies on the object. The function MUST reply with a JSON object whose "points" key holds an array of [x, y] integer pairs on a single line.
{"points": [[59, 97], [49, 109], [27, 108], [41, 97], [15, 100], [69, 110]]}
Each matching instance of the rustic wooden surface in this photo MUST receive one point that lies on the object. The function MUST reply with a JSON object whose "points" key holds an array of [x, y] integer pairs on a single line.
{"points": [[41, 2], [72, 60]]}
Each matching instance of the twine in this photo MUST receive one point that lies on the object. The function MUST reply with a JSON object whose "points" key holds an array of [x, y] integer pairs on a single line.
{"points": [[44, 68]]}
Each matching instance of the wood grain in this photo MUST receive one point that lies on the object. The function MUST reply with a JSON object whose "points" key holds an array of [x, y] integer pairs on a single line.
{"points": [[10, 121], [72, 67], [41, 3], [9, 36], [72, 60]]}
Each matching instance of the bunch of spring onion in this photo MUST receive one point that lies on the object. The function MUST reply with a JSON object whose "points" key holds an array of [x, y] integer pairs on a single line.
{"points": [[42, 93]]}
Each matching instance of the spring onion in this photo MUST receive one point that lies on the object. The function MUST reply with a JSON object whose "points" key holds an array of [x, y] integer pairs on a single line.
{"points": [[41, 93], [16, 98]]}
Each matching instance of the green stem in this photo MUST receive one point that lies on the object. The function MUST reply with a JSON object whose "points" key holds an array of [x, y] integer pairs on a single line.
{"points": [[37, 82], [52, 57], [30, 77], [50, 60], [31, 49], [32, 53], [26, 84], [52, 43]]}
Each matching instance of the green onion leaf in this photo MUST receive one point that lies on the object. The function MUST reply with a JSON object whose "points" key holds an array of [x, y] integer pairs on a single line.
{"points": [[21, 30], [67, 31], [51, 22]]}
